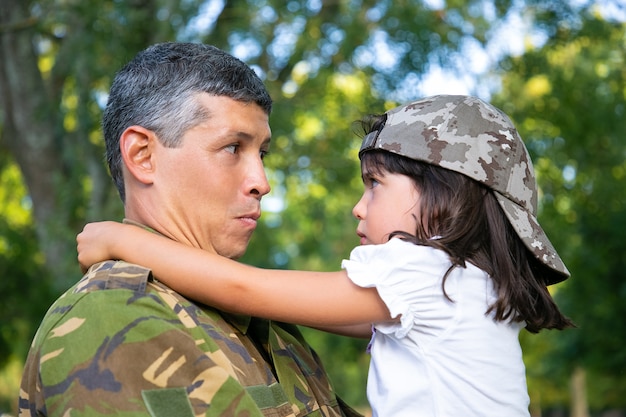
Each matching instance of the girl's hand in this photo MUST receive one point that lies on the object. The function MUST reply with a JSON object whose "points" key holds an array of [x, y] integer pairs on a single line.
{"points": [[94, 243]]}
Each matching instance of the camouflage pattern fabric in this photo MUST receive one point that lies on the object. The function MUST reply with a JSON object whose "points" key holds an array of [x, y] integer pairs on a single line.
{"points": [[467, 135], [120, 343]]}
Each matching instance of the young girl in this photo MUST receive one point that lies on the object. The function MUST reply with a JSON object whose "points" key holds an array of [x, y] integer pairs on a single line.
{"points": [[452, 264]]}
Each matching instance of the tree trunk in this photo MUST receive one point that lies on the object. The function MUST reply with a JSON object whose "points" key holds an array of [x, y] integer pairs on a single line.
{"points": [[28, 127], [580, 407]]}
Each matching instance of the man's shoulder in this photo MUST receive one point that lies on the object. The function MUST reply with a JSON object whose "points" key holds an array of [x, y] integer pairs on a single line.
{"points": [[88, 298], [109, 275], [136, 283]]}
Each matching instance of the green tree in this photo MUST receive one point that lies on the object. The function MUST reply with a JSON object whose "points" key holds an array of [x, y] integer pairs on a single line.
{"points": [[569, 97], [56, 62], [58, 58], [19, 258], [326, 63]]}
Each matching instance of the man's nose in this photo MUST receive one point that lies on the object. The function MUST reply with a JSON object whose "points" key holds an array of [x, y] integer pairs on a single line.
{"points": [[257, 180]]}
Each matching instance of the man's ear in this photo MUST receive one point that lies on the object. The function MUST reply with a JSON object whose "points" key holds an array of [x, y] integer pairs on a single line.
{"points": [[137, 145]]}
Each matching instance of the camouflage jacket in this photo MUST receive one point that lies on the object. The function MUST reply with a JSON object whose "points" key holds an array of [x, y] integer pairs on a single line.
{"points": [[121, 343]]}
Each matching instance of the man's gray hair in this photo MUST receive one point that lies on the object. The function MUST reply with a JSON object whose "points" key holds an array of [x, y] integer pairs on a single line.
{"points": [[158, 89]]}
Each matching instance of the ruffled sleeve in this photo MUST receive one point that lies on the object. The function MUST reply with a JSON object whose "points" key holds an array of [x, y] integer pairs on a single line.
{"points": [[406, 276]]}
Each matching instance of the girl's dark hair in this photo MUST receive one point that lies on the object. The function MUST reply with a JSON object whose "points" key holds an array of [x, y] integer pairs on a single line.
{"points": [[471, 227]]}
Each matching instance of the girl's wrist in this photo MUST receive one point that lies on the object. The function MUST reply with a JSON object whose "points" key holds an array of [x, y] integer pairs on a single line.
{"points": [[117, 236]]}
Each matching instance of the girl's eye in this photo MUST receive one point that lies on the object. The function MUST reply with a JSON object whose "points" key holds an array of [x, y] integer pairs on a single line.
{"points": [[263, 153], [371, 182]]}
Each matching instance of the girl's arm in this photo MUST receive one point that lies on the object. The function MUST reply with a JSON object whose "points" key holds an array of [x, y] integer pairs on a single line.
{"points": [[363, 331], [324, 300]]}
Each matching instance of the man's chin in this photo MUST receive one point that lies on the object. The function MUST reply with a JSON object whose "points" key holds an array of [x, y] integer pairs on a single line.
{"points": [[235, 253]]}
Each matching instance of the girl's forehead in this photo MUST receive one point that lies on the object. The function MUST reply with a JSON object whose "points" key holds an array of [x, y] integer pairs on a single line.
{"points": [[372, 165]]}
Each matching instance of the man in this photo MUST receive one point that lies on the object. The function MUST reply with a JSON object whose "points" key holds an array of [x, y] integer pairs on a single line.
{"points": [[186, 129]]}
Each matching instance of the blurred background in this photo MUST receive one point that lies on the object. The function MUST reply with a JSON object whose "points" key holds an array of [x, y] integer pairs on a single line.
{"points": [[556, 67]]}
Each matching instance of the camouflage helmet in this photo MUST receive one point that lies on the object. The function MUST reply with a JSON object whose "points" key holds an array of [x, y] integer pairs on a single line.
{"points": [[466, 135]]}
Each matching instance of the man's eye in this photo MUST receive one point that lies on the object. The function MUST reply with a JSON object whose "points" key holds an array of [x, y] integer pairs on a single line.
{"points": [[263, 153], [232, 148]]}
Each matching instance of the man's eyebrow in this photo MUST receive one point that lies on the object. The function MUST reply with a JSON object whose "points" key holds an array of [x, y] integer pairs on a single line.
{"points": [[247, 137], [240, 134]]}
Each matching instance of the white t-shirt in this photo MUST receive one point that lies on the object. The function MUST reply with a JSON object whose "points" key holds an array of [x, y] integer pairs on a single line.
{"points": [[444, 359]]}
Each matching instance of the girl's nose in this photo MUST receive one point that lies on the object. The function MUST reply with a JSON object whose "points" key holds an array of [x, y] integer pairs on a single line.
{"points": [[358, 211]]}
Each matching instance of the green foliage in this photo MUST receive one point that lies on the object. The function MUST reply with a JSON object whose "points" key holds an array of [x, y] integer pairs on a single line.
{"points": [[569, 100], [25, 283], [26, 295], [327, 64]]}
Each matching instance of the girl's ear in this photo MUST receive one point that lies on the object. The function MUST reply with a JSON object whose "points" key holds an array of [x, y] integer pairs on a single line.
{"points": [[137, 145]]}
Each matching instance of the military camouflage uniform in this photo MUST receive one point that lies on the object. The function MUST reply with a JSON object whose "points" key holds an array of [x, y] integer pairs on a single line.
{"points": [[121, 343]]}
